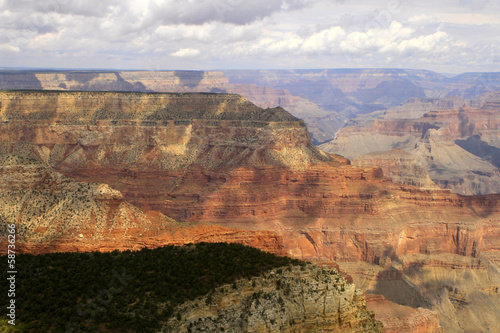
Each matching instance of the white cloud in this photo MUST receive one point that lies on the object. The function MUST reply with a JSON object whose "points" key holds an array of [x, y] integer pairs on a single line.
{"points": [[202, 33], [422, 19], [188, 52], [9, 48], [323, 40], [375, 39], [228, 11], [471, 18], [242, 34], [436, 42]]}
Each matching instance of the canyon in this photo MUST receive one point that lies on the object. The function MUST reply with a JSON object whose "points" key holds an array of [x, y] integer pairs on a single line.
{"points": [[346, 111], [147, 169], [456, 148], [53, 213], [325, 98]]}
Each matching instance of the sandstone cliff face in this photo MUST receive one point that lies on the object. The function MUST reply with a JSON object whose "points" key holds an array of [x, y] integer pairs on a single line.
{"points": [[45, 205], [53, 213], [220, 159], [325, 99], [178, 81], [462, 292], [173, 81], [308, 299]]}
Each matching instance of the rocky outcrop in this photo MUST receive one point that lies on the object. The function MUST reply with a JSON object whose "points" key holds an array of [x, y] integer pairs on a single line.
{"points": [[462, 292], [44, 205], [178, 81], [220, 159], [457, 147], [399, 318], [325, 99], [401, 167], [297, 299]]}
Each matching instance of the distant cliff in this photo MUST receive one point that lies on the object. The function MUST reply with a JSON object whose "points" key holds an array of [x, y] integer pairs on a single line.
{"points": [[325, 98], [458, 148]]}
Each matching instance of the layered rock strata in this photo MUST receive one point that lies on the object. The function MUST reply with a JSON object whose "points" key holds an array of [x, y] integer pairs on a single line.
{"points": [[399, 318], [325, 99], [458, 148], [401, 167], [220, 159], [460, 293], [53, 213]]}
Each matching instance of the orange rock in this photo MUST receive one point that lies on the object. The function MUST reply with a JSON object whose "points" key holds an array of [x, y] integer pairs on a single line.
{"points": [[399, 318]]}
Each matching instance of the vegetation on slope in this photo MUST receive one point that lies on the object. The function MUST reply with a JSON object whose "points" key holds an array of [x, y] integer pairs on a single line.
{"points": [[124, 291], [80, 107]]}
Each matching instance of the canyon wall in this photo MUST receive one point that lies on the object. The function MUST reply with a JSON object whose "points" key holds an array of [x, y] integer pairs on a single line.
{"points": [[53, 213], [458, 148], [325, 99], [220, 159]]}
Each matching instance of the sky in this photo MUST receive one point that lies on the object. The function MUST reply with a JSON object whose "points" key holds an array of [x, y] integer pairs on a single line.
{"points": [[447, 36]]}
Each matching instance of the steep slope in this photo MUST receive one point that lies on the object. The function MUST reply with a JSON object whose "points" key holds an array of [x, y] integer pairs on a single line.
{"points": [[325, 99], [54, 213], [280, 301], [45, 205], [462, 291], [139, 291], [399, 318], [219, 159]]}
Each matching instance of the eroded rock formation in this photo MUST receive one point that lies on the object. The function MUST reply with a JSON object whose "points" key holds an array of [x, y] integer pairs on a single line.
{"points": [[399, 318], [307, 299], [459, 148], [53, 213], [401, 167]]}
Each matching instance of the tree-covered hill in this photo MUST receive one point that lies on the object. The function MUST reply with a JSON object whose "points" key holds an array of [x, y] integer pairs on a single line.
{"points": [[123, 291]]}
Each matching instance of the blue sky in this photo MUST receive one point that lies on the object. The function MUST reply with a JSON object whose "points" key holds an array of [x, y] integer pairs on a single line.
{"points": [[450, 36]]}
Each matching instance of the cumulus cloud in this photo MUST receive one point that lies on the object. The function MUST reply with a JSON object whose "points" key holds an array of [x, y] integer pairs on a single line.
{"points": [[323, 40], [396, 39], [236, 33], [96, 8], [375, 39], [189, 52], [201, 33], [436, 42]]}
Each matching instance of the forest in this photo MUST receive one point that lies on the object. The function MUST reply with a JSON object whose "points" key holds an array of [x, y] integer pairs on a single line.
{"points": [[130, 291]]}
